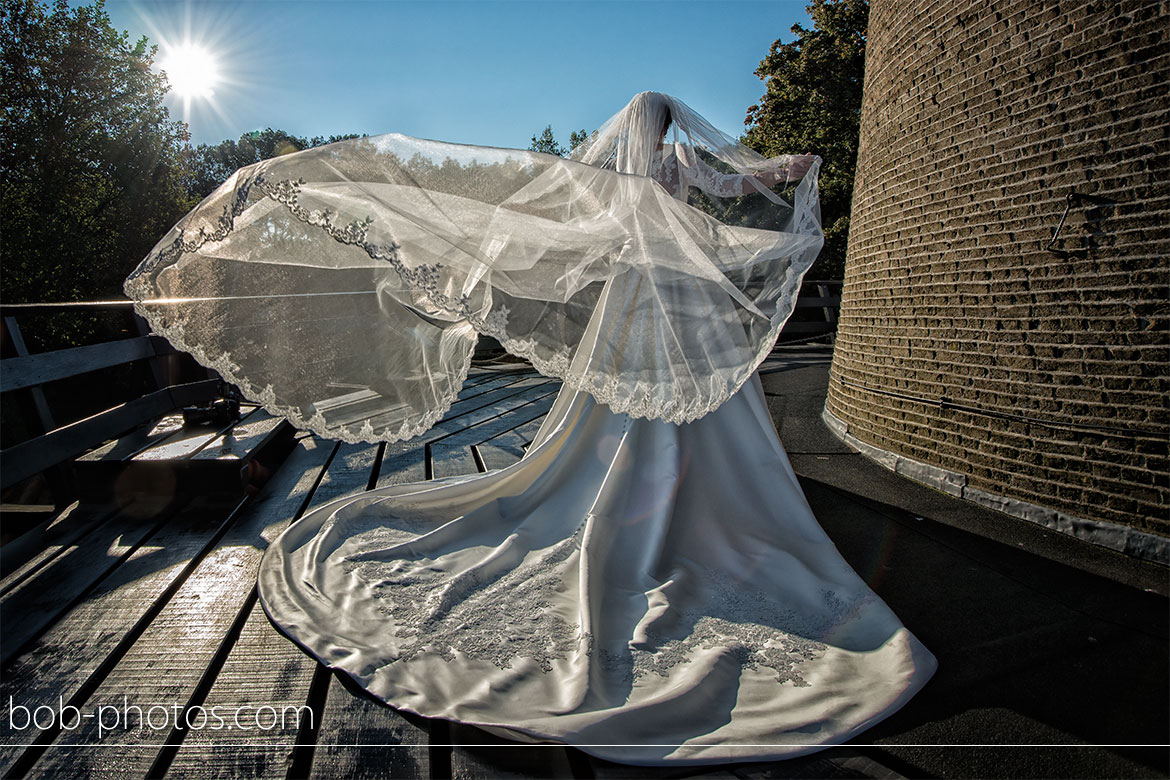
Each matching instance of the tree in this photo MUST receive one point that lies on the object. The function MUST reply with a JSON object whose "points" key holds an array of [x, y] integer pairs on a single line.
{"points": [[546, 142], [212, 165], [91, 166], [812, 103]]}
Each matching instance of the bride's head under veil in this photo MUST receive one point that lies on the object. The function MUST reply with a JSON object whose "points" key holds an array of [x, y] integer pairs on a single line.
{"points": [[344, 286], [654, 128]]}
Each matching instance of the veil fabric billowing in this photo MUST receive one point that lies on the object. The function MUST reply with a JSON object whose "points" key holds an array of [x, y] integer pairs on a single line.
{"points": [[344, 287]]}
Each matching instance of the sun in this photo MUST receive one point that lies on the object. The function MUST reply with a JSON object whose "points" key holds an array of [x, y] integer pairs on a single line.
{"points": [[191, 70]]}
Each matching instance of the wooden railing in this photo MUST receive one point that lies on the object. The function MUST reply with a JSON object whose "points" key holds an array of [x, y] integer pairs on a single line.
{"points": [[143, 448], [23, 376], [808, 323]]}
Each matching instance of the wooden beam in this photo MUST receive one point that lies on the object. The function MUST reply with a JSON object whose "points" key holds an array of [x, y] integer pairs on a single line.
{"points": [[824, 301], [32, 370], [42, 406], [36, 455]]}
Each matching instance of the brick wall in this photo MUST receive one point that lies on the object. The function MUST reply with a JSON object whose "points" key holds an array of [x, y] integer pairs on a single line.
{"points": [[979, 118]]}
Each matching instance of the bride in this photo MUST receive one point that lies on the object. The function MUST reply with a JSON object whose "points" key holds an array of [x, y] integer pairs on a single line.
{"points": [[648, 582]]}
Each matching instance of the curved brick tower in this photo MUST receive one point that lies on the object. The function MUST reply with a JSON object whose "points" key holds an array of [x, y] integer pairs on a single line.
{"points": [[975, 353]]}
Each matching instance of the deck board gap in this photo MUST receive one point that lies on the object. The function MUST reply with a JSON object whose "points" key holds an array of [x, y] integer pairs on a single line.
{"points": [[27, 643], [306, 744], [475, 454], [170, 747], [439, 749], [35, 564], [376, 469]]}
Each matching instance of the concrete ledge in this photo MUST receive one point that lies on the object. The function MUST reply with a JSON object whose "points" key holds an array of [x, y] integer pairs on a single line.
{"points": [[1130, 541]]}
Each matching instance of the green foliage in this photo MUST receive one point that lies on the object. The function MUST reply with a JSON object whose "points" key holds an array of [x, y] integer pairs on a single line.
{"points": [[212, 165], [812, 103], [91, 166], [546, 142]]}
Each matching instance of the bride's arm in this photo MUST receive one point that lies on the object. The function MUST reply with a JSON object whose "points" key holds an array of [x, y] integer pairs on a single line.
{"points": [[729, 185]]}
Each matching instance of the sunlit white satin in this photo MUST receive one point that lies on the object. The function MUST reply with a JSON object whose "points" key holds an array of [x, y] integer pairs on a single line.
{"points": [[651, 592]]}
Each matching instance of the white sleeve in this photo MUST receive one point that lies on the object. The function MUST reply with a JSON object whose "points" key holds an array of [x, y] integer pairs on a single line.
{"points": [[722, 185]]}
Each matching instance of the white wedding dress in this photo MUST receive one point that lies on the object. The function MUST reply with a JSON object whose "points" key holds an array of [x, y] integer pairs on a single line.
{"points": [[649, 589]]}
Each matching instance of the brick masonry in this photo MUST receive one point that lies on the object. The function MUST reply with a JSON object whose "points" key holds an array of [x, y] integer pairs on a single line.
{"points": [[979, 118]]}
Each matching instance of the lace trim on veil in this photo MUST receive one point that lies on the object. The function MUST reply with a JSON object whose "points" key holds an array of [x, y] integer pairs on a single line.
{"points": [[226, 367], [638, 399]]}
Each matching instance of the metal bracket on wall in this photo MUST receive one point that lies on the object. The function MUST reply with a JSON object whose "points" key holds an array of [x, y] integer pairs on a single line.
{"points": [[1056, 233], [1098, 210]]}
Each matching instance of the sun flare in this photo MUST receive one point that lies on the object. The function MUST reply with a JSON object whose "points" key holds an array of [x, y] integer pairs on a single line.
{"points": [[191, 70]]}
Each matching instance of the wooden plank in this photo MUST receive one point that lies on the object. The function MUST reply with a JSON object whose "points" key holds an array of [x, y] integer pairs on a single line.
{"points": [[528, 431], [508, 446], [452, 455], [403, 463], [266, 660], [34, 549], [345, 720], [187, 442], [32, 370], [451, 461], [490, 383], [489, 397], [479, 374], [479, 755], [126, 447], [518, 411], [264, 670], [156, 363], [40, 600], [501, 404], [59, 306], [403, 459], [191, 460], [36, 455], [495, 455], [361, 737], [166, 663], [62, 661], [69, 660], [244, 439]]}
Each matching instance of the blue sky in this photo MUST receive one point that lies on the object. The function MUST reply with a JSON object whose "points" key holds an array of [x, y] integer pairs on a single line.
{"points": [[488, 72]]}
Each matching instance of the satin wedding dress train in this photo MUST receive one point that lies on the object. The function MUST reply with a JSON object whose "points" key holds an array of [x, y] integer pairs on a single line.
{"points": [[649, 592]]}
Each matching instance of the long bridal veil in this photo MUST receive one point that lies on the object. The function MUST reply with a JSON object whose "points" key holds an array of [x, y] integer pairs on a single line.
{"points": [[344, 287], [648, 581]]}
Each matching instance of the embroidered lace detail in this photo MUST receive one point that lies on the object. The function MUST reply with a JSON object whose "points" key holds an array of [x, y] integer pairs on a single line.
{"points": [[750, 626], [638, 398], [137, 288], [664, 170], [500, 614], [711, 181], [184, 245], [482, 613]]}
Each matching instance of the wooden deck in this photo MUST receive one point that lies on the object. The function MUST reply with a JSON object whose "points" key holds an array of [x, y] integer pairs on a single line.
{"points": [[148, 612]]}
